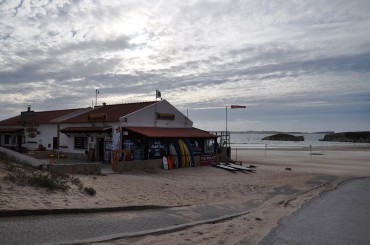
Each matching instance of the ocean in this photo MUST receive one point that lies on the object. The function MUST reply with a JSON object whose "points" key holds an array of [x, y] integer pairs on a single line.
{"points": [[254, 140]]}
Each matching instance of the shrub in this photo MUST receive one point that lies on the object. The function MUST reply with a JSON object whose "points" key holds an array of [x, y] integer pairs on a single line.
{"points": [[77, 182], [91, 191], [52, 180]]}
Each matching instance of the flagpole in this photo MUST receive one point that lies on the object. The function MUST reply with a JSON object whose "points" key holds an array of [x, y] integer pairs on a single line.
{"points": [[226, 119]]}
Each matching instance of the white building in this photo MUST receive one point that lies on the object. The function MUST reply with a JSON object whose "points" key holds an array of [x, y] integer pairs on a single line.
{"points": [[146, 129]]}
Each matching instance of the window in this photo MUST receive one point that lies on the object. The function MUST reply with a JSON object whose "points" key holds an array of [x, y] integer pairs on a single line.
{"points": [[209, 146], [80, 142], [9, 139]]}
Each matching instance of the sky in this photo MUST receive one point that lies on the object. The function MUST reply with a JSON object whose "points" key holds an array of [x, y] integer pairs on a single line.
{"points": [[295, 65]]}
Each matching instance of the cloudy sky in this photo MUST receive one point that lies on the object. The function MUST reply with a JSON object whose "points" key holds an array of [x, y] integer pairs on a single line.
{"points": [[295, 65]]}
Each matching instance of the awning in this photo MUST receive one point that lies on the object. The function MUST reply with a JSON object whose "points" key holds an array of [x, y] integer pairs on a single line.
{"points": [[156, 132], [86, 130], [11, 130]]}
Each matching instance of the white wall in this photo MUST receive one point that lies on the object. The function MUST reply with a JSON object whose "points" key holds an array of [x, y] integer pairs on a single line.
{"points": [[146, 117], [47, 132], [69, 141]]}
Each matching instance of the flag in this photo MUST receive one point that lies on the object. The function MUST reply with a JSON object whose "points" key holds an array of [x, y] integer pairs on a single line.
{"points": [[158, 94], [237, 106]]}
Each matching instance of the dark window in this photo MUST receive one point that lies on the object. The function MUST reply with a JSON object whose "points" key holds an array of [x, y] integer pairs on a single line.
{"points": [[80, 142], [8, 140]]}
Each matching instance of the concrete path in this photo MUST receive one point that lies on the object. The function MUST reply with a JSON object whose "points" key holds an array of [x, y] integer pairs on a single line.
{"points": [[78, 228], [338, 217]]}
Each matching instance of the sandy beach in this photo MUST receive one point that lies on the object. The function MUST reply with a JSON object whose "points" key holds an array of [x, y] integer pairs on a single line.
{"points": [[311, 171]]}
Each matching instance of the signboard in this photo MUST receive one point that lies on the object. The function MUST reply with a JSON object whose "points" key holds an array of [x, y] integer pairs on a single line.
{"points": [[97, 117], [165, 116], [237, 106], [205, 160]]}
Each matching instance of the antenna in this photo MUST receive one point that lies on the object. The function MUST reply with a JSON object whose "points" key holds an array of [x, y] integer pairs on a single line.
{"points": [[96, 96]]}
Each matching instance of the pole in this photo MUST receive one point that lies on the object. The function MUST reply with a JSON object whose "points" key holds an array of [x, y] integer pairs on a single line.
{"points": [[96, 96], [226, 119], [265, 150]]}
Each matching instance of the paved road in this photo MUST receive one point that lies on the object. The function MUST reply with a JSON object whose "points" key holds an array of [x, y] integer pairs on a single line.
{"points": [[56, 229], [338, 217]]}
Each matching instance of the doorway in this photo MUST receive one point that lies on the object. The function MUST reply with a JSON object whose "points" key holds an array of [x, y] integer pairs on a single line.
{"points": [[100, 149]]}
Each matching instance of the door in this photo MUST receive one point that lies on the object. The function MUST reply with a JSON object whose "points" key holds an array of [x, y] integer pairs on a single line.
{"points": [[101, 149], [55, 143]]}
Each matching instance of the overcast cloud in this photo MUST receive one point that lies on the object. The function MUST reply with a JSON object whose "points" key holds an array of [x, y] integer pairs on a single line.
{"points": [[296, 65]]}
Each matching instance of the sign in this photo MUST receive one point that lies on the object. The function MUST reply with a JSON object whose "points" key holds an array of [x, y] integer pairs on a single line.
{"points": [[165, 116], [207, 159], [97, 117], [237, 106]]}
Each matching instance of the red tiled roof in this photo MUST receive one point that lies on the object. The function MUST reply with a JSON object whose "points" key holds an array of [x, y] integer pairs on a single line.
{"points": [[113, 112], [155, 132], [42, 117], [85, 129]]}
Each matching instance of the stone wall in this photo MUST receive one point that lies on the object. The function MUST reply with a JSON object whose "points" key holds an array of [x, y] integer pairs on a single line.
{"points": [[138, 165], [78, 168]]}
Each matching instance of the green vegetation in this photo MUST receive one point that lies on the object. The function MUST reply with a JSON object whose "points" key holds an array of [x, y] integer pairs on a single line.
{"points": [[91, 191]]}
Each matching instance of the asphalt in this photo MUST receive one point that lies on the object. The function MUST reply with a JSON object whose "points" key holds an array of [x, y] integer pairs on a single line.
{"points": [[341, 216]]}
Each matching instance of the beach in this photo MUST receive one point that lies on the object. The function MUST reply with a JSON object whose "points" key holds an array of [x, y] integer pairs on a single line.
{"points": [[285, 179]]}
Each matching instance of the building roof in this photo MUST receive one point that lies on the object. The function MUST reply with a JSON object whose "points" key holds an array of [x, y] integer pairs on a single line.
{"points": [[112, 112], [155, 132], [41, 117]]}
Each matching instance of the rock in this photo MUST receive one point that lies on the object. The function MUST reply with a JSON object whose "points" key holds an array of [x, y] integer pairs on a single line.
{"points": [[355, 137], [284, 137]]}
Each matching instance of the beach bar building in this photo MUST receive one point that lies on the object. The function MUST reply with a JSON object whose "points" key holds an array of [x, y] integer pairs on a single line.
{"points": [[132, 133]]}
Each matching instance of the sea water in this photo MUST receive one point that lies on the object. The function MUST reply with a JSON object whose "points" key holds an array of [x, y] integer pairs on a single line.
{"points": [[254, 140]]}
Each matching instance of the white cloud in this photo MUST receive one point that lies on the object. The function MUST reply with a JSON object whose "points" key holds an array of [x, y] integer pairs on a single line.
{"points": [[198, 53]]}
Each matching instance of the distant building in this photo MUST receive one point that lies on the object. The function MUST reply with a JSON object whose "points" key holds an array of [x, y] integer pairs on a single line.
{"points": [[147, 130]]}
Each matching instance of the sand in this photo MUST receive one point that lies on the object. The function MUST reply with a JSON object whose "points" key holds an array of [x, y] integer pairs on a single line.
{"points": [[311, 173]]}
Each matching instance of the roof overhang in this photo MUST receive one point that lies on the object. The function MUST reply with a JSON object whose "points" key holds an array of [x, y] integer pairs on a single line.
{"points": [[158, 132], [70, 130], [11, 130]]}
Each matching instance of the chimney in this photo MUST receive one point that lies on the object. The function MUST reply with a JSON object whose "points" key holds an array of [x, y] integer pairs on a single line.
{"points": [[28, 107]]}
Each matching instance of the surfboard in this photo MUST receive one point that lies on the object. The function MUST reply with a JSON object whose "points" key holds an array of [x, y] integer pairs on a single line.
{"points": [[186, 153], [242, 168], [165, 163], [178, 153], [174, 157], [224, 167], [182, 150], [170, 163], [188, 144], [238, 167]]}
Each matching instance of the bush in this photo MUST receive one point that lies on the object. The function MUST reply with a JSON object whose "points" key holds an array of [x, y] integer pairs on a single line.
{"points": [[44, 180], [77, 182], [51, 180], [91, 191]]}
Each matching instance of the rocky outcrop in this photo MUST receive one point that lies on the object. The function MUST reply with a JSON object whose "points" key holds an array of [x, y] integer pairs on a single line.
{"points": [[284, 137], [355, 137]]}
